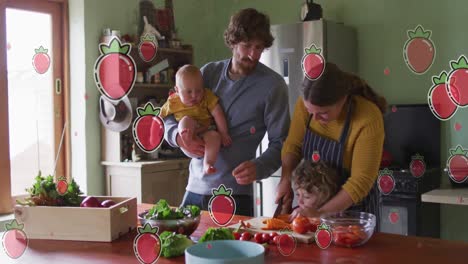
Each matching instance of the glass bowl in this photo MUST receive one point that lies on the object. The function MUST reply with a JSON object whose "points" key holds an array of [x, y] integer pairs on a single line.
{"points": [[350, 229], [185, 226]]}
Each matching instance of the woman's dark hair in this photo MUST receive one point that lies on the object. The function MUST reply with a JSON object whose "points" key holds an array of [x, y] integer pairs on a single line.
{"points": [[248, 24], [334, 84], [309, 175]]}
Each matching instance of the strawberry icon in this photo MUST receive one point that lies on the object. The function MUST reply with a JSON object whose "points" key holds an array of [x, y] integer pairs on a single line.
{"points": [[457, 82], [439, 101], [286, 244], [323, 236], [417, 166], [394, 216], [147, 244], [62, 185], [419, 50], [41, 60], [148, 128], [458, 164], [222, 206], [114, 71], [313, 63], [147, 48], [315, 156], [386, 182], [14, 240]]}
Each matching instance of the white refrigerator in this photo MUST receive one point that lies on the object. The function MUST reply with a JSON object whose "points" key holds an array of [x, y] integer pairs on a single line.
{"points": [[337, 43]]}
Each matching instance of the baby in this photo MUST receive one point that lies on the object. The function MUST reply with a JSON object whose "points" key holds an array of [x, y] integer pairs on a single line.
{"points": [[199, 114], [315, 183]]}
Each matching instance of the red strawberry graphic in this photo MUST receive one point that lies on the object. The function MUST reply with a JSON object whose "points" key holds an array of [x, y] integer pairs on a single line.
{"points": [[148, 128], [323, 236], [41, 60], [313, 63], [14, 239], [419, 51], [458, 126], [457, 82], [417, 166], [315, 156], [286, 244], [62, 185], [147, 48], [147, 244], [394, 216], [386, 182], [439, 101], [458, 164], [222, 206], [114, 71]]}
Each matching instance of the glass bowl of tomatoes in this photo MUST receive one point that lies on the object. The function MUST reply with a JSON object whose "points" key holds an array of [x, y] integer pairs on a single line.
{"points": [[349, 228]]}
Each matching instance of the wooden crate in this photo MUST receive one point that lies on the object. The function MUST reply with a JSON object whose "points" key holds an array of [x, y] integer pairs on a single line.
{"points": [[79, 223]]}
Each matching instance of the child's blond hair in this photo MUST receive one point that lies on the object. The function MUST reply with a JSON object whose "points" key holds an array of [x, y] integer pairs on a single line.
{"points": [[317, 176], [187, 70]]}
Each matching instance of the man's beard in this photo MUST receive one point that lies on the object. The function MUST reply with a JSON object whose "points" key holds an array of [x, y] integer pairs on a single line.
{"points": [[247, 66]]}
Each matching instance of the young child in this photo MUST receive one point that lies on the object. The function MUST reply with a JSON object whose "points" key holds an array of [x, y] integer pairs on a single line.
{"points": [[199, 114], [315, 183]]}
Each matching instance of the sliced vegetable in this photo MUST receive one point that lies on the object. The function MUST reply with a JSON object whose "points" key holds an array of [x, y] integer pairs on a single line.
{"points": [[174, 245]]}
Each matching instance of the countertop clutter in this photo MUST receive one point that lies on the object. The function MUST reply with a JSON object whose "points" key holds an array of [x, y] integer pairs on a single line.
{"points": [[382, 248]]}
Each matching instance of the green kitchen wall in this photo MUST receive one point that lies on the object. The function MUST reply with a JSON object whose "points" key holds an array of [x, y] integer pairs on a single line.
{"points": [[381, 26]]}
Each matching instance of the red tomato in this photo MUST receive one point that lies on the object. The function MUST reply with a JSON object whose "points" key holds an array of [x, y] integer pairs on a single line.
{"points": [[272, 235], [246, 236], [236, 235], [258, 237], [276, 239], [301, 225], [266, 237]]}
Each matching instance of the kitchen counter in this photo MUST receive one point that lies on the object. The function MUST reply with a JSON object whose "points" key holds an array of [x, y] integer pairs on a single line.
{"points": [[447, 196], [381, 248]]}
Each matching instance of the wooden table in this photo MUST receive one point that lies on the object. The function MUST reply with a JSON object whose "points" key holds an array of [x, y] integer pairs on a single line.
{"points": [[381, 248]]}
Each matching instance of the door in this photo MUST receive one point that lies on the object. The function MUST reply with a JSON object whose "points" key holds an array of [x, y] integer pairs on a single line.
{"points": [[36, 68]]}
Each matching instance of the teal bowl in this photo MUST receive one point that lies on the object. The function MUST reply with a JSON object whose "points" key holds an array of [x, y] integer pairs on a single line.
{"points": [[225, 252]]}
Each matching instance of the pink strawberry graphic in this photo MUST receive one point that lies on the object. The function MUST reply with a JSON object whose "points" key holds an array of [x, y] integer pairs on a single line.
{"points": [[438, 98], [114, 71], [286, 244], [457, 82], [14, 240], [419, 51], [222, 206], [315, 156], [148, 128], [147, 244], [41, 60], [147, 48], [458, 126], [458, 164], [62, 185], [386, 182], [313, 63], [323, 236], [394, 216], [417, 166]]}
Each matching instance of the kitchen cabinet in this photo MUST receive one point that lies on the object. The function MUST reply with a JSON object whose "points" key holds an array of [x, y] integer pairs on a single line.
{"points": [[149, 181]]}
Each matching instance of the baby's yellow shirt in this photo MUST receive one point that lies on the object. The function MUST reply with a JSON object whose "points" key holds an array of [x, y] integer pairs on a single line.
{"points": [[201, 112], [363, 147]]}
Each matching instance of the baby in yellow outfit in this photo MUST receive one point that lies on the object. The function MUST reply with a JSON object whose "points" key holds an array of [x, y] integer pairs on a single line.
{"points": [[199, 114]]}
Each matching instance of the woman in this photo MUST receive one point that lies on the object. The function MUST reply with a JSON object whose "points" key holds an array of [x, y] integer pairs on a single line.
{"points": [[339, 120]]}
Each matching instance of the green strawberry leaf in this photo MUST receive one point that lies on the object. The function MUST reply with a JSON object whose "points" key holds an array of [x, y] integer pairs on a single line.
{"points": [[386, 171], [148, 229], [323, 226], [460, 64], [148, 109], [417, 157], [147, 37], [41, 50], [115, 46], [14, 225], [441, 79], [313, 50], [222, 190], [419, 32], [458, 151]]}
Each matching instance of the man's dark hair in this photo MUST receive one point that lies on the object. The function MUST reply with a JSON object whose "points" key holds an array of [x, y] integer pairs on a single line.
{"points": [[248, 24]]}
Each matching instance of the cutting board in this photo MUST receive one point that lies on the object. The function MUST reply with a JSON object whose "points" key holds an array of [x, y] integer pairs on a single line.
{"points": [[257, 224]]}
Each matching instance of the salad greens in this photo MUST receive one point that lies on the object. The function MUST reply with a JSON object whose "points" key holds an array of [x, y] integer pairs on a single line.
{"points": [[162, 211], [173, 245], [44, 192], [217, 233]]}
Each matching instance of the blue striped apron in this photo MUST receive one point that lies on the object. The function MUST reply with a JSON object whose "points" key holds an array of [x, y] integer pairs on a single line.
{"points": [[331, 152]]}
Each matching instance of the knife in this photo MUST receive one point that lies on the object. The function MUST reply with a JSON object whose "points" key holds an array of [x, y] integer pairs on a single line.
{"points": [[278, 209]]}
